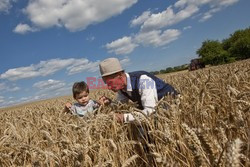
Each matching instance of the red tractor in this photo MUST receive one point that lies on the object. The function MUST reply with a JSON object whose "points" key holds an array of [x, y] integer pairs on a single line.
{"points": [[196, 64]]}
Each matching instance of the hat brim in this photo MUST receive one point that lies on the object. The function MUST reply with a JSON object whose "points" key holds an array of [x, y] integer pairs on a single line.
{"points": [[110, 73]]}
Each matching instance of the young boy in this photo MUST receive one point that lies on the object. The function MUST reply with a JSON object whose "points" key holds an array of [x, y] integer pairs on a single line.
{"points": [[84, 104]]}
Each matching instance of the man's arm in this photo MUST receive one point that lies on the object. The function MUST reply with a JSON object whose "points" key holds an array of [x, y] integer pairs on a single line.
{"points": [[149, 98]]}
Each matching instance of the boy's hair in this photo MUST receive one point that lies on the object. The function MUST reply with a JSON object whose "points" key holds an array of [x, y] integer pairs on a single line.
{"points": [[79, 87]]}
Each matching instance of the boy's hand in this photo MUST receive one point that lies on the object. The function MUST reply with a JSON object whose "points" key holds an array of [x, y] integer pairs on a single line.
{"points": [[119, 118], [68, 105], [104, 100]]}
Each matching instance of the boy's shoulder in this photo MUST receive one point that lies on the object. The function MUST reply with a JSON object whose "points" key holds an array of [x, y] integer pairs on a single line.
{"points": [[76, 104], [93, 103]]}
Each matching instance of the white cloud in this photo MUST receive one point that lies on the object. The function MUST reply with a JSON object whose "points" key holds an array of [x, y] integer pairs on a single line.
{"points": [[49, 85], [90, 38], [184, 9], [157, 37], [44, 68], [214, 6], [5, 5], [183, 3], [74, 15], [83, 65], [140, 19], [125, 62], [8, 87], [224, 3], [2, 99], [121, 46], [59, 88], [212, 3], [23, 29], [49, 67], [187, 27], [151, 32], [2, 86], [209, 14], [168, 18], [16, 88], [153, 25], [6, 103], [154, 38], [40, 95]]}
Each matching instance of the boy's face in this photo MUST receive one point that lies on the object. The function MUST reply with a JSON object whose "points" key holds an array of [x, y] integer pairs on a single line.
{"points": [[115, 82], [82, 98]]}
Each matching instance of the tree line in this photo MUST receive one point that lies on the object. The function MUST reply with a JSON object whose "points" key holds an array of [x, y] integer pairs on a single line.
{"points": [[236, 47], [215, 52], [171, 69]]}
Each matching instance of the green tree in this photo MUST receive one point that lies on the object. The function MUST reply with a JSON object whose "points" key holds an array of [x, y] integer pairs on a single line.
{"points": [[177, 68], [238, 44], [162, 71], [212, 52], [169, 69]]}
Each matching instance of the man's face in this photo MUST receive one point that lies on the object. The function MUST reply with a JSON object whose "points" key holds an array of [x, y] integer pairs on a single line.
{"points": [[115, 82]]}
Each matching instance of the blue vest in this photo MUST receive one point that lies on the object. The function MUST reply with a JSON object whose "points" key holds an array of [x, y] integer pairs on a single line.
{"points": [[161, 87]]}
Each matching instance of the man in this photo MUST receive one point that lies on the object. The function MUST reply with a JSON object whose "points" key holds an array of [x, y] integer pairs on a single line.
{"points": [[139, 86]]}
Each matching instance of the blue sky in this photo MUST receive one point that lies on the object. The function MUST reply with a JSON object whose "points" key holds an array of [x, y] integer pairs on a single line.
{"points": [[46, 45]]}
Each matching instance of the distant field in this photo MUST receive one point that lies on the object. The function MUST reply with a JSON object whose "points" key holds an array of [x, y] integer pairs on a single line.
{"points": [[208, 125]]}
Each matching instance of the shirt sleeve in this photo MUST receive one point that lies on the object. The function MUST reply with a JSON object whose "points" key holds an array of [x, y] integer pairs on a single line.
{"points": [[73, 109], [149, 98], [95, 105]]}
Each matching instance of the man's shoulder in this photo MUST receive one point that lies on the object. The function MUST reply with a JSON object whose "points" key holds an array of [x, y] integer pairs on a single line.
{"points": [[141, 74], [138, 72], [145, 77]]}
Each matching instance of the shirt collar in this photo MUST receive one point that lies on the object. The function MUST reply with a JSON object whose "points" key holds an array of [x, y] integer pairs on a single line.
{"points": [[129, 86]]}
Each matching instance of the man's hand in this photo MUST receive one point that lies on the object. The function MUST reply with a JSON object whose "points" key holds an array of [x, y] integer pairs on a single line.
{"points": [[119, 117], [104, 100]]}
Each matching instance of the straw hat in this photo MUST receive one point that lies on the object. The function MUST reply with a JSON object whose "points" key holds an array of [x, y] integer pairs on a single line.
{"points": [[110, 66]]}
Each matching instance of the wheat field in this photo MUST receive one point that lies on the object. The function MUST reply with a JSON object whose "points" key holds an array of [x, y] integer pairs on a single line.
{"points": [[208, 125]]}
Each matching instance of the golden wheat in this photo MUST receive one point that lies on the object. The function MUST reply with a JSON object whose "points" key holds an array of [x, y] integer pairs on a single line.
{"points": [[207, 125]]}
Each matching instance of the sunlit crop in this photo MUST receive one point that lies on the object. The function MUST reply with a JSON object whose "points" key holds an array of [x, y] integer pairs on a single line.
{"points": [[209, 125]]}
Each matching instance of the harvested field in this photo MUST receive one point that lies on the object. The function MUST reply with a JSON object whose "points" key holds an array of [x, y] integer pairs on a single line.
{"points": [[209, 125]]}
